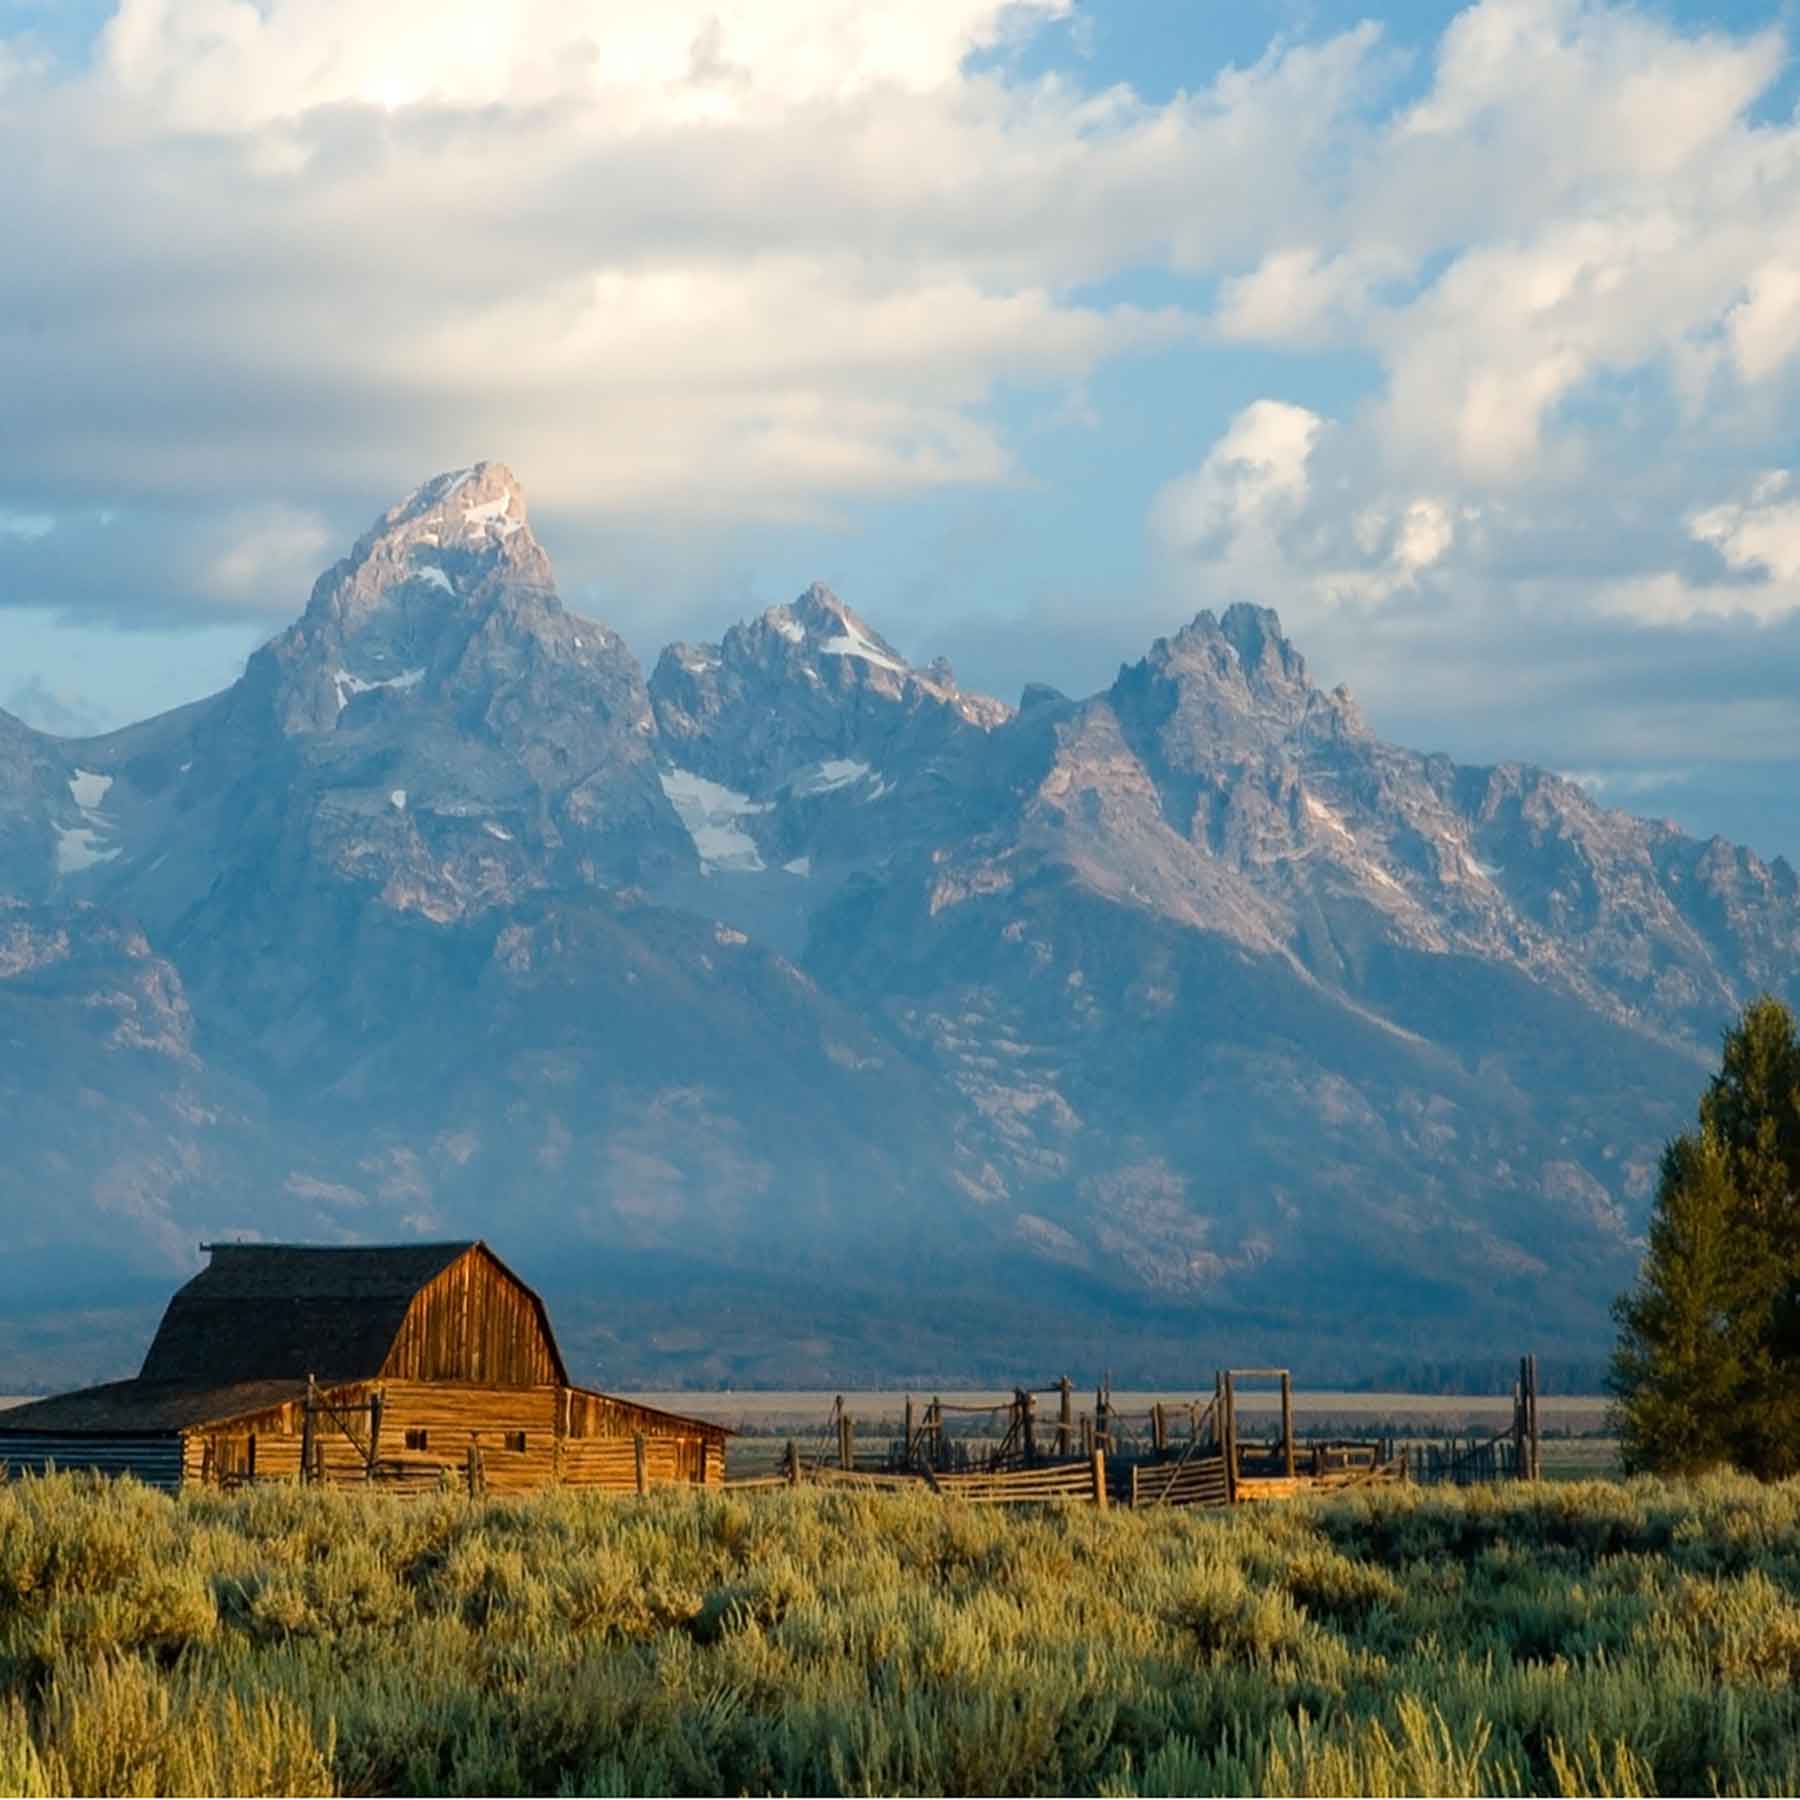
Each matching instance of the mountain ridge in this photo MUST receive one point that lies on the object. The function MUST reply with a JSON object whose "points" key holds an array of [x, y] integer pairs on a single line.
{"points": [[1190, 999]]}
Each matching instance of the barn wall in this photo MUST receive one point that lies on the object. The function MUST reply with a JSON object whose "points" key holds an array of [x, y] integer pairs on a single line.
{"points": [[451, 1415], [154, 1461], [594, 1415], [474, 1323]]}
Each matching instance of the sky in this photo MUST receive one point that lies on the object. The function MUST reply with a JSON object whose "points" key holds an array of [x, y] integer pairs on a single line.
{"points": [[1468, 339]]}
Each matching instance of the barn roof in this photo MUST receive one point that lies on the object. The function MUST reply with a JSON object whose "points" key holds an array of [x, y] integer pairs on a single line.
{"points": [[286, 1311], [148, 1408]]}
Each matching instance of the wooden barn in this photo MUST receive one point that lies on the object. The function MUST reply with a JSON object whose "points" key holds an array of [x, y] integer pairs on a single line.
{"points": [[406, 1366]]}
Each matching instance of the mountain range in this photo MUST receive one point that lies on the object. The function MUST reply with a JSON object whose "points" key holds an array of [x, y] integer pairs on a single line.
{"points": [[795, 1015]]}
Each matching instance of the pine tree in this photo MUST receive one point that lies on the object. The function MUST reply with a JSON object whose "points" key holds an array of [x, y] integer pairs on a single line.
{"points": [[1687, 1353], [1707, 1368]]}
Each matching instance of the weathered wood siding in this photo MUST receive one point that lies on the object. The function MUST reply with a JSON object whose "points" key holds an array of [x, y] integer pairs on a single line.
{"points": [[476, 1323], [594, 1415], [517, 1432]]}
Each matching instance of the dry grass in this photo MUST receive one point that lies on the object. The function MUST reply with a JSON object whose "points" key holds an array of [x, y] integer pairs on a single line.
{"points": [[1573, 1639]]}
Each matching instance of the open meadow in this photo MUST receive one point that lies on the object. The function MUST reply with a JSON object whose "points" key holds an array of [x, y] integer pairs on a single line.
{"points": [[1566, 1638]]}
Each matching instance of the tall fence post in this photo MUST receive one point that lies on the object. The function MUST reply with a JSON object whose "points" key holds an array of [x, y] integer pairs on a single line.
{"points": [[1228, 1420], [906, 1441], [641, 1462], [472, 1471], [375, 1409], [307, 1431], [1521, 1467], [1287, 1424], [1099, 1466], [793, 1463], [1159, 1428], [846, 1441], [1028, 1423], [1537, 1467], [1065, 1417]]}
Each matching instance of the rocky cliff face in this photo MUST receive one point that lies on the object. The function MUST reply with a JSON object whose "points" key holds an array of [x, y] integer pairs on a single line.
{"points": [[798, 1014]]}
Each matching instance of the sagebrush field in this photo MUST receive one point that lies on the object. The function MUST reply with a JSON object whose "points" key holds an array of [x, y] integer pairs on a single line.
{"points": [[1590, 1638]]}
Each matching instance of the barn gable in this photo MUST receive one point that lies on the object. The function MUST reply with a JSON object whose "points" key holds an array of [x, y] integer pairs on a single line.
{"points": [[476, 1321], [422, 1312]]}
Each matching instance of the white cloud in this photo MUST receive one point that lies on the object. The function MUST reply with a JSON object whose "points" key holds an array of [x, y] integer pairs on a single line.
{"points": [[1759, 534], [212, 63], [266, 558], [1252, 480]]}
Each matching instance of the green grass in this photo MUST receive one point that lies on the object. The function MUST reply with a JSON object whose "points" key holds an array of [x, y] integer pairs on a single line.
{"points": [[1580, 1638]]}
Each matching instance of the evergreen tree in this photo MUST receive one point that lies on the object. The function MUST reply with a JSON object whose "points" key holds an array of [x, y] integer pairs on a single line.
{"points": [[1707, 1368], [1687, 1353]]}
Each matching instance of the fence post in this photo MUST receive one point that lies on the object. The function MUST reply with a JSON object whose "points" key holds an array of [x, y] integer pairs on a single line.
{"points": [[1159, 1429], [1065, 1417], [474, 1468], [375, 1406], [641, 1462], [306, 1433], [1228, 1415], [793, 1463], [1028, 1423], [937, 1432], [1537, 1467], [1518, 1424], [1099, 1466], [846, 1441], [906, 1442], [1287, 1423]]}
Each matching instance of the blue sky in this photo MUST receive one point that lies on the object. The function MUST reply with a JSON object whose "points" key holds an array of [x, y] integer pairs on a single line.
{"points": [[1468, 338]]}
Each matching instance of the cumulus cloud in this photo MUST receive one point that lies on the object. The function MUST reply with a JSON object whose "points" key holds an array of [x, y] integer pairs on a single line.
{"points": [[739, 261], [696, 268]]}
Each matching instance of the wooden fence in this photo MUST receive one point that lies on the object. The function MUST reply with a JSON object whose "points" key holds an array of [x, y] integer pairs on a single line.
{"points": [[1514, 1454], [1194, 1453]]}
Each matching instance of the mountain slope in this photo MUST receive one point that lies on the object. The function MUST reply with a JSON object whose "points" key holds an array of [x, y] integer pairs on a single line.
{"points": [[796, 1013]]}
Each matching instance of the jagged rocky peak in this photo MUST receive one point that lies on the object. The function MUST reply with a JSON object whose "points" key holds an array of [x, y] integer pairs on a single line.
{"points": [[806, 680], [392, 614], [451, 537], [1234, 678]]}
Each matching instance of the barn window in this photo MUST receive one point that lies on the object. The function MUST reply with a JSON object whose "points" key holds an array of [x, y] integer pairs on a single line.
{"points": [[515, 1440], [417, 1438]]}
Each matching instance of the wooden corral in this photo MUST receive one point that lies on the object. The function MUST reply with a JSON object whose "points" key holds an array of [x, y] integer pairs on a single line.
{"points": [[1197, 1454], [409, 1367]]}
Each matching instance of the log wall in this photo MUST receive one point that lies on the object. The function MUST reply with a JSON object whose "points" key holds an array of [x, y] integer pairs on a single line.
{"points": [[517, 1432]]}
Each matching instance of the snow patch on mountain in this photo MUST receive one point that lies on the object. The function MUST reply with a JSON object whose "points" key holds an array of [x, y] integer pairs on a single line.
{"points": [[711, 813], [853, 643], [88, 790], [827, 777], [348, 685], [76, 849], [492, 515]]}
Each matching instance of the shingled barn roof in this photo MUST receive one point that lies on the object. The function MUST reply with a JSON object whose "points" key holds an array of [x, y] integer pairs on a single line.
{"points": [[286, 1311], [145, 1408]]}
